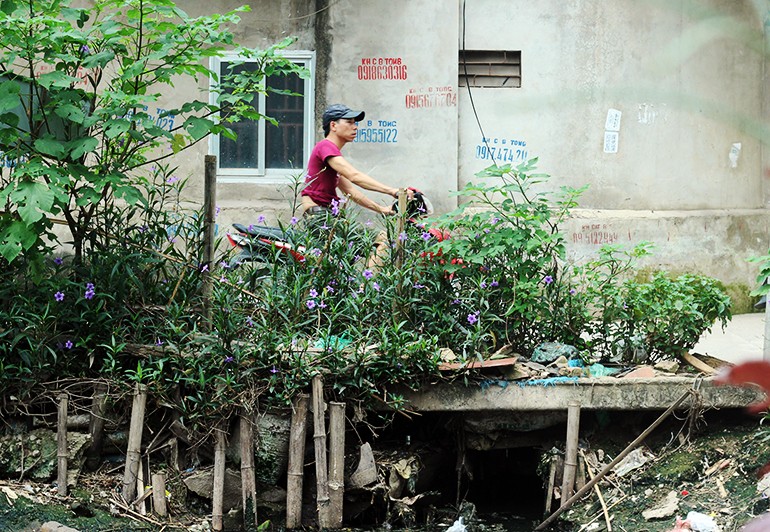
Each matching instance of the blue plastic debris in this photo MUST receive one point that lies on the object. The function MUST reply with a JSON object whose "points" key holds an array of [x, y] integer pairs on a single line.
{"points": [[575, 363], [551, 381]]}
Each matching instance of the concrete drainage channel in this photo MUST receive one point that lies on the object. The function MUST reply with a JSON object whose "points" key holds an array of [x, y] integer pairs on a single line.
{"points": [[502, 453]]}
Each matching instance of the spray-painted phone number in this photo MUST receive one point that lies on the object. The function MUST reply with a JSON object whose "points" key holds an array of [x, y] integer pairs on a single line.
{"points": [[504, 150]]}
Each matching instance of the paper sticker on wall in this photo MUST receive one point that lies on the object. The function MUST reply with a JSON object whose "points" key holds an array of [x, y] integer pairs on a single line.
{"points": [[613, 120], [611, 141], [735, 151], [611, 131]]}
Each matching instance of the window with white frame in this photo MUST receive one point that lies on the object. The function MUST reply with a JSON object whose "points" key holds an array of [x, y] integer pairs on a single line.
{"points": [[264, 152]]}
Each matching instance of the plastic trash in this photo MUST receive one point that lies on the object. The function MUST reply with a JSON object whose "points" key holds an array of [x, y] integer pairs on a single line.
{"points": [[702, 522], [457, 526]]}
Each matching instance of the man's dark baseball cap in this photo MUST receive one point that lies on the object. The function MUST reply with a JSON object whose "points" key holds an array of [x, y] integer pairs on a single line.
{"points": [[339, 111]]}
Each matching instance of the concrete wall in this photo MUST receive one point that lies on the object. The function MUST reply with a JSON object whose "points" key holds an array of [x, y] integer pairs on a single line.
{"points": [[688, 79]]}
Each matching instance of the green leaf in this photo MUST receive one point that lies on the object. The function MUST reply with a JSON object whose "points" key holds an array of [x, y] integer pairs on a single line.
{"points": [[71, 112], [33, 200], [50, 146], [80, 147], [99, 60], [9, 96], [198, 127]]}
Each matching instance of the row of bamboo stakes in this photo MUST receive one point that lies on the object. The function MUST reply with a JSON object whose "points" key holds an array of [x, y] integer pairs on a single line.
{"points": [[134, 492]]}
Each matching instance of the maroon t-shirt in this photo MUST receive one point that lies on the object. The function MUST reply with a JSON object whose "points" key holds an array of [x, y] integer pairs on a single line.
{"points": [[321, 179]]}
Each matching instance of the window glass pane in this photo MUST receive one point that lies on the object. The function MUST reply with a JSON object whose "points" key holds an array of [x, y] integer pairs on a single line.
{"points": [[241, 153], [284, 143]]}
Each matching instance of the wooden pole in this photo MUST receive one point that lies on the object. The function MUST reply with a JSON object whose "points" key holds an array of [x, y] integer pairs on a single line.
{"points": [[248, 479], [319, 441], [159, 494], [209, 223], [133, 452], [61, 445], [571, 451], [336, 462], [631, 446], [296, 462], [217, 503], [96, 426]]}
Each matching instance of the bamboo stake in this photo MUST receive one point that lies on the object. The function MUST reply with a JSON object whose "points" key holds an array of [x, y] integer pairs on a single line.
{"points": [[319, 441], [139, 504], [551, 482], [296, 462], [570, 453], [217, 514], [134, 443], [159, 494], [61, 445], [248, 479], [96, 426], [631, 446], [336, 463], [598, 492]]}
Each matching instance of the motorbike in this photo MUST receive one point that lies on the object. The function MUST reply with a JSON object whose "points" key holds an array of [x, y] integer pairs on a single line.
{"points": [[262, 246]]}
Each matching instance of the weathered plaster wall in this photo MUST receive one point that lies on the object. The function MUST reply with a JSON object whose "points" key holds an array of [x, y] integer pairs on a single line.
{"points": [[688, 80]]}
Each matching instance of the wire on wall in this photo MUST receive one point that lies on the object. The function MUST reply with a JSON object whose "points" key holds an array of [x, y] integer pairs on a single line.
{"points": [[470, 93]]}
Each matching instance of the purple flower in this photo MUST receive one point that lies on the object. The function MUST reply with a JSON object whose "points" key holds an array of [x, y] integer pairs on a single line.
{"points": [[159, 342], [228, 359], [261, 219], [330, 289], [368, 223], [325, 227], [376, 286], [249, 321], [68, 344], [59, 296], [493, 283], [402, 237], [316, 252], [171, 180], [89, 294], [418, 286], [335, 207], [310, 304], [456, 302], [224, 265], [294, 220], [313, 293], [368, 274], [217, 210], [473, 318], [426, 236], [58, 261], [273, 371], [85, 50], [321, 305], [483, 284], [572, 291], [204, 268], [548, 279]]}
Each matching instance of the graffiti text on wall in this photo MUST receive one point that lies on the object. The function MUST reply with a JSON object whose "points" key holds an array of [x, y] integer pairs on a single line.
{"points": [[8, 161], [373, 68], [381, 131], [431, 97], [162, 120], [595, 234], [503, 150]]}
